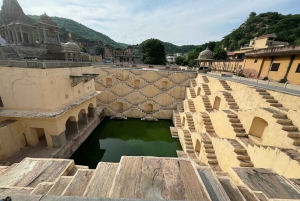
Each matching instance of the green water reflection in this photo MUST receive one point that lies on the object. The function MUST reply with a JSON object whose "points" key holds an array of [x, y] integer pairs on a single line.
{"points": [[133, 137]]}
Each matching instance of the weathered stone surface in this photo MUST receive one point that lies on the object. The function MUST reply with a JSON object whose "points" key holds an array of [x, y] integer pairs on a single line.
{"points": [[12, 12]]}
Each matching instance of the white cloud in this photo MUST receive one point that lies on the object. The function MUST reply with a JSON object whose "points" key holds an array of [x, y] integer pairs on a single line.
{"points": [[179, 22]]}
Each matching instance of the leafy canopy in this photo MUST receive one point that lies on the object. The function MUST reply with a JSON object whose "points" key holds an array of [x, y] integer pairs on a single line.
{"points": [[153, 52]]}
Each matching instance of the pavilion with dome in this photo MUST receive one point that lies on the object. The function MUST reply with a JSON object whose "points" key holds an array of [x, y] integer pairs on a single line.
{"points": [[205, 58]]}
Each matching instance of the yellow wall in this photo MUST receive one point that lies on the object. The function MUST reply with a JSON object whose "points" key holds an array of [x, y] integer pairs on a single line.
{"points": [[294, 77], [284, 63], [43, 89]]}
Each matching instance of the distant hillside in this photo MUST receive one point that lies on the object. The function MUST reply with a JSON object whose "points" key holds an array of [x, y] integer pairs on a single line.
{"points": [[171, 48], [286, 27], [79, 31]]}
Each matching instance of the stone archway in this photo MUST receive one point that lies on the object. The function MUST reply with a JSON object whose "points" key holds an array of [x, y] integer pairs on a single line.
{"points": [[149, 108], [258, 127], [217, 103], [199, 91], [108, 82], [183, 121], [197, 147], [137, 84]]}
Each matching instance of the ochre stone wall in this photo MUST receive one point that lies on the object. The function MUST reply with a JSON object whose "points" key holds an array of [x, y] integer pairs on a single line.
{"points": [[135, 93]]}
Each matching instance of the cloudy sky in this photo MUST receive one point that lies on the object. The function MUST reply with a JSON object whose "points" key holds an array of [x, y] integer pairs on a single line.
{"points": [[181, 22]]}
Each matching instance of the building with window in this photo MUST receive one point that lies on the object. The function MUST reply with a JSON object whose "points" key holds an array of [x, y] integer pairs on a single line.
{"points": [[277, 64], [261, 42]]}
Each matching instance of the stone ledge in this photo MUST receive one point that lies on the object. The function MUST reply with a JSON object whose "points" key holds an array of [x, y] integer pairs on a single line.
{"points": [[36, 114]]}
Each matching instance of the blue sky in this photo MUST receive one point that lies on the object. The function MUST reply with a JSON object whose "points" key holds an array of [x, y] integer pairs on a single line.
{"points": [[181, 22]]}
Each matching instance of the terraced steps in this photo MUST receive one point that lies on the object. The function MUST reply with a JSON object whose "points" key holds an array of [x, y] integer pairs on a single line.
{"points": [[206, 89], [209, 149], [288, 126], [178, 123], [190, 121], [241, 154], [208, 124], [225, 85], [193, 83], [191, 106], [269, 99], [207, 104], [205, 79], [180, 107], [188, 143], [192, 92], [236, 124], [230, 100]]}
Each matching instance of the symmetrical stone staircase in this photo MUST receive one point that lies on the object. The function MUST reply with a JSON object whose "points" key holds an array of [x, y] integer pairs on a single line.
{"points": [[191, 105], [288, 126], [205, 79], [190, 122], [188, 143], [180, 107], [193, 83], [192, 92], [206, 89], [230, 100], [207, 104], [10, 53], [209, 150], [241, 154], [236, 124], [208, 124], [225, 85], [269, 99], [178, 123]]}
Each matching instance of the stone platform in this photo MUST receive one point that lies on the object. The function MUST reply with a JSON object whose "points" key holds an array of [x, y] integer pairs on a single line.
{"points": [[137, 178]]}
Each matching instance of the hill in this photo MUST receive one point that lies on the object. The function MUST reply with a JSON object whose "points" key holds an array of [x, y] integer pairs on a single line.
{"points": [[286, 27], [79, 31]]}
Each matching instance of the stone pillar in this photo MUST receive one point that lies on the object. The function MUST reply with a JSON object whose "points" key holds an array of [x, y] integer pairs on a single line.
{"points": [[85, 118], [9, 37], [45, 36], [33, 37], [22, 37], [75, 126], [6, 35], [39, 35], [58, 39], [59, 140], [13, 36], [17, 37], [92, 112]]}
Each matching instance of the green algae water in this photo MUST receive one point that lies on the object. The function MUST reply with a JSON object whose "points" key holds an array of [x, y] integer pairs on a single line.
{"points": [[113, 139]]}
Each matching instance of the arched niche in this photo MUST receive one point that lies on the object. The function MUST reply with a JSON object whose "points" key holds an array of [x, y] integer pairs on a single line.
{"points": [[217, 103], [258, 127]]}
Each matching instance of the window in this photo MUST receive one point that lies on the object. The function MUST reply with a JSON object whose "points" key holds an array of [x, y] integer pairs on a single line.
{"points": [[255, 61], [1, 103], [298, 68], [275, 66]]}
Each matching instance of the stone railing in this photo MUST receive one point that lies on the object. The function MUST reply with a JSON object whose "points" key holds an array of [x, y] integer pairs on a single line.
{"points": [[292, 49], [43, 64]]}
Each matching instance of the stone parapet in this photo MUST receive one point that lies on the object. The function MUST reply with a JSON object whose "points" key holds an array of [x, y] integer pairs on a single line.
{"points": [[43, 64]]}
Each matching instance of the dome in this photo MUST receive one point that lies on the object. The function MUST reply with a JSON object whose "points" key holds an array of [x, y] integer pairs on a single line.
{"points": [[206, 54], [46, 19], [71, 47]]}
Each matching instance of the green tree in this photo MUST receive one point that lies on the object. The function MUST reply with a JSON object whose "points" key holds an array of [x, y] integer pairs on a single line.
{"points": [[83, 49], [220, 54], [179, 60], [153, 52], [99, 50]]}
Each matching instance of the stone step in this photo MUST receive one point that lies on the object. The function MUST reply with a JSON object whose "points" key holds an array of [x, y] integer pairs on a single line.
{"points": [[260, 90], [212, 161], [212, 184], [189, 147], [267, 97], [238, 129], [101, 181], [232, 116], [243, 156], [208, 146], [234, 120], [41, 170], [60, 185], [284, 121], [209, 150], [276, 105], [279, 115], [236, 125], [42, 188], [296, 143], [79, 183], [241, 134], [264, 93], [246, 164], [294, 134], [231, 189], [289, 128], [272, 101], [211, 156]]}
